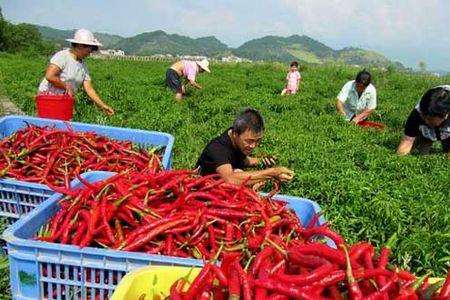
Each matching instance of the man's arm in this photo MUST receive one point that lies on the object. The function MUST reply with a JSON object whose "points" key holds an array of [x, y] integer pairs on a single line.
{"points": [[340, 107], [363, 115], [237, 177], [406, 145]]}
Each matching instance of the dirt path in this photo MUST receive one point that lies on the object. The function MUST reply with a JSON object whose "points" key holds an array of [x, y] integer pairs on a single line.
{"points": [[7, 107]]}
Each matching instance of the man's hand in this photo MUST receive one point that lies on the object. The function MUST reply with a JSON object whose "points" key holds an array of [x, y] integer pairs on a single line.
{"points": [[283, 174], [268, 161]]}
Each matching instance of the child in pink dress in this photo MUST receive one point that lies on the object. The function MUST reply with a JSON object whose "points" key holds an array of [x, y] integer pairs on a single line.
{"points": [[292, 80]]}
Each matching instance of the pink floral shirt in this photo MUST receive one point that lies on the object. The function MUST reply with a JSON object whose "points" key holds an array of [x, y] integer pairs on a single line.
{"points": [[292, 78]]}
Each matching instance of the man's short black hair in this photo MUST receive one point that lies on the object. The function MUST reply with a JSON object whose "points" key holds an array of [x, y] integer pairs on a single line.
{"points": [[294, 63], [248, 119], [435, 102], [364, 78]]}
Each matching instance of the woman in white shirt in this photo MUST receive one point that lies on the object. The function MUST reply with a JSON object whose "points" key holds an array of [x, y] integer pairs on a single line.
{"points": [[67, 70], [358, 98]]}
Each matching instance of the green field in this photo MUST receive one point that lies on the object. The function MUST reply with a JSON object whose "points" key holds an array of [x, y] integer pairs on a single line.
{"points": [[366, 191]]}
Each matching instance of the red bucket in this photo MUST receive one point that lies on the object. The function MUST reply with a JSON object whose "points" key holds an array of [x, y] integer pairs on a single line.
{"points": [[59, 107]]}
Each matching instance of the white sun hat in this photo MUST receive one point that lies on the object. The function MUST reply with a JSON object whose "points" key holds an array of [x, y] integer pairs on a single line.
{"points": [[84, 37], [204, 64]]}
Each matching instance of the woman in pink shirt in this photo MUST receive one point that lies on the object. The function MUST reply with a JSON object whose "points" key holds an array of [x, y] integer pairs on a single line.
{"points": [[183, 72], [293, 78]]}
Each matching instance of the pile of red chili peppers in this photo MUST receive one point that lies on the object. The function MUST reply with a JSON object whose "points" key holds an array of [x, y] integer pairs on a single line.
{"points": [[264, 250], [309, 271], [174, 213], [50, 156]]}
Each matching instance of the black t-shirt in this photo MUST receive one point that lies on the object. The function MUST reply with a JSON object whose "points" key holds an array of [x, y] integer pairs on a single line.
{"points": [[413, 123], [220, 151], [415, 126]]}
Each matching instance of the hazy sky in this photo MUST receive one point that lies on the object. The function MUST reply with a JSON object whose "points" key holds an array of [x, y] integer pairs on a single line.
{"points": [[406, 30]]}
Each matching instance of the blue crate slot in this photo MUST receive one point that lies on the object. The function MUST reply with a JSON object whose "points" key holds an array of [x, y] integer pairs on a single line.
{"points": [[40, 269], [18, 198], [143, 138]]}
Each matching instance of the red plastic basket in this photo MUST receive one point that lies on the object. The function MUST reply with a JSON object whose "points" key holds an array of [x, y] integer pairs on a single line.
{"points": [[371, 124], [59, 107]]}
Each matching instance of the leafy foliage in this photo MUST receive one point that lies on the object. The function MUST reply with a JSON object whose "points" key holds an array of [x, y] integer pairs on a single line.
{"points": [[22, 38], [366, 191]]}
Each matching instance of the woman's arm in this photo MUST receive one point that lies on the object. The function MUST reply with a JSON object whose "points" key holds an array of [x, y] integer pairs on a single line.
{"points": [[195, 84], [406, 145], [363, 115], [52, 75], [90, 91]]}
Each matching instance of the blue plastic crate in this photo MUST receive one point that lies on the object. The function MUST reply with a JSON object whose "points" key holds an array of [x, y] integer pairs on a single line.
{"points": [[41, 269], [18, 198], [143, 138]]}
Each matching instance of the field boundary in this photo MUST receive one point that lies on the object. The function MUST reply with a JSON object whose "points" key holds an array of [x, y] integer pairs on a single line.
{"points": [[7, 107]]}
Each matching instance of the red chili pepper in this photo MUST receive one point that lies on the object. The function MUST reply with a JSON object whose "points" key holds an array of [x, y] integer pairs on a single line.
{"points": [[287, 289], [199, 281], [445, 290], [244, 280], [321, 250], [353, 287], [176, 289], [234, 286], [382, 263], [260, 258], [223, 280], [307, 278], [146, 237], [334, 293], [324, 231]]}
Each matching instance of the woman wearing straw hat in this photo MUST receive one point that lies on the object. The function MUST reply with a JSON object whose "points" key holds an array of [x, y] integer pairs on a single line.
{"points": [[67, 70], [183, 72]]}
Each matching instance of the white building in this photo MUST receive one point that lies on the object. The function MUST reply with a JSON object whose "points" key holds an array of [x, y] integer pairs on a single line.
{"points": [[112, 52]]}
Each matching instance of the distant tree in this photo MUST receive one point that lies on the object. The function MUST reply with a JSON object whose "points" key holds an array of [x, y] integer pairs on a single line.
{"points": [[22, 38], [423, 66], [3, 25]]}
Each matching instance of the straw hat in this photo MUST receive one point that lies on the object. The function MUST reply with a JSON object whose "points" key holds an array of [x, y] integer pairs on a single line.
{"points": [[204, 65], [84, 37]]}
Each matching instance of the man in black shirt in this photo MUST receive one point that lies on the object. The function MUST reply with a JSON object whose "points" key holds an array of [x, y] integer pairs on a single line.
{"points": [[229, 153], [428, 122]]}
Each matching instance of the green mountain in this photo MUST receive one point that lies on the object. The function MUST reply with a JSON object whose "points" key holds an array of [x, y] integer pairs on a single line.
{"points": [[159, 42], [60, 36], [305, 49], [277, 48], [268, 48]]}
